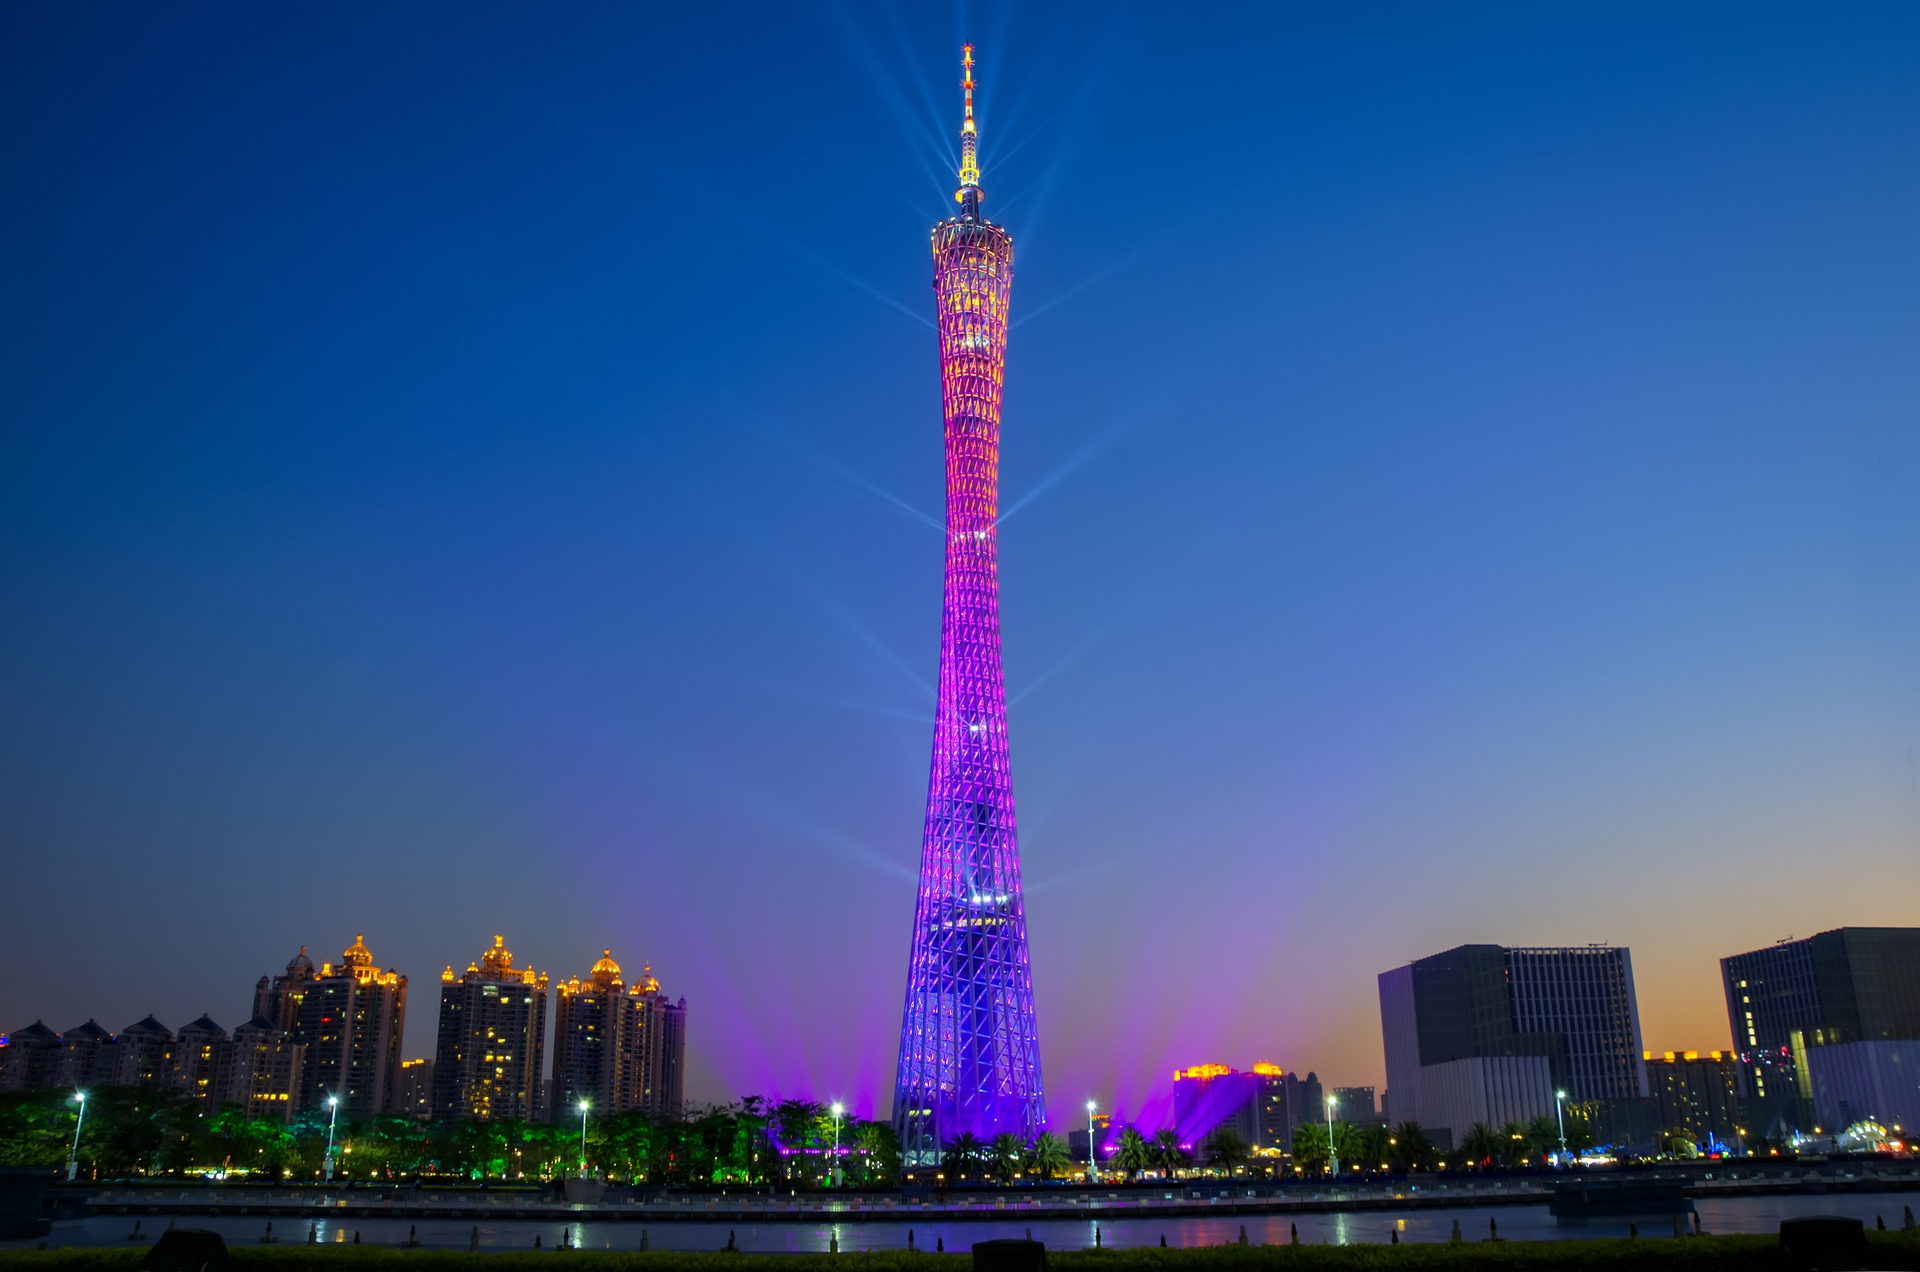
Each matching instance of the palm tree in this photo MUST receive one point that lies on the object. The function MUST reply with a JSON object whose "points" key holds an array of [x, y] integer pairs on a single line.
{"points": [[1006, 1152], [1481, 1145], [1411, 1149], [1310, 1147], [1166, 1151], [1225, 1150], [1047, 1156], [1369, 1147], [1542, 1135], [964, 1153], [1132, 1156]]}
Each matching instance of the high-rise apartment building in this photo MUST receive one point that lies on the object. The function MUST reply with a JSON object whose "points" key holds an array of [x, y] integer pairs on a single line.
{"points": [[1699, 1094], [969, 1060], [492, 1045], [143, 1054], [259, 1069], [416, 1090], [349, 1017], [1483, 1033], [30, 1059], [1837, 1016], [87, 1057], [197, 1052], [617, 1046]]}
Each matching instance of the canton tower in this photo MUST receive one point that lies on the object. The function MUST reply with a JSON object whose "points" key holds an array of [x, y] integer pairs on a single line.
{"points": [[969, 1054]]}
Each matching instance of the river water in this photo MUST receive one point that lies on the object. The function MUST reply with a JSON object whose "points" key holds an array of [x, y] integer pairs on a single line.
{"points": [[1531, 1223]]}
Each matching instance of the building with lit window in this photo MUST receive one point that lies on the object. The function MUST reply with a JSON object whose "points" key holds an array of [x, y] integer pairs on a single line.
{"points": [[87, 1057], [1482, 1033], [30, 1058], [617, 1046], [1260, 1105], [1835, 1016], [1699, 1094], [196, 1057], [350, 1017], [1356, 1105], [492, 1044], [260, 1069], [278, 1000], [416, 1089], [143, 1054]]}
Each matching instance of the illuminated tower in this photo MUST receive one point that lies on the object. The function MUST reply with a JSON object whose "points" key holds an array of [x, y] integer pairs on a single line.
{"points": [[969, 1054]]}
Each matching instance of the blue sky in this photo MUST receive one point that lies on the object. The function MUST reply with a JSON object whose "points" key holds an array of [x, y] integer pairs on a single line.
{"points": [[476, 469]]}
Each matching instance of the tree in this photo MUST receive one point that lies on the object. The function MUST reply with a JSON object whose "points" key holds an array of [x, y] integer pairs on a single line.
{"points": [[1368, 1147], [1310, 1147], [1513, 1144], [1047, 1156], [879, 1152], [964, 1155], [1006, 1153], [1482, 1145], [1166, 1151], [1225, 1150], [1542, 1135], [1132, 1156], [1409, 1148]]}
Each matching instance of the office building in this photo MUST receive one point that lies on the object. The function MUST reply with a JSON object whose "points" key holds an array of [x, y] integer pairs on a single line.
{"points": [[1482, 1033], [1836, 1016], [617, 1046], [492, 1042], [1356, 1105], [350, 1017], [1699, 1094]]}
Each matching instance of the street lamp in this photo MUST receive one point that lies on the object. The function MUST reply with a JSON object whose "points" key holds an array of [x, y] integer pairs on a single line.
{"points": [[1092, 1176], [73, 1158], [333, 1102], [583, 1137], [838, 1110], [1559, 1098], [1331, 1155]]}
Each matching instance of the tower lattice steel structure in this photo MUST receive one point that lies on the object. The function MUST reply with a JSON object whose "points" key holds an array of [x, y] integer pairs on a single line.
{"points": [[969, 1053]]}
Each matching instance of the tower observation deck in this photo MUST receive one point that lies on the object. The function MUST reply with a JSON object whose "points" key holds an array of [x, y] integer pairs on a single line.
{"points": [[969, 1054]]}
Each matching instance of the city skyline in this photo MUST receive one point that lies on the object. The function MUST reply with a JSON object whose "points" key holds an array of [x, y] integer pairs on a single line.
{"points": [[478, 475]]}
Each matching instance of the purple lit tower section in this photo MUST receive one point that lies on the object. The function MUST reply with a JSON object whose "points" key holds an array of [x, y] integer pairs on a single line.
{"points": [[969, 1054]]}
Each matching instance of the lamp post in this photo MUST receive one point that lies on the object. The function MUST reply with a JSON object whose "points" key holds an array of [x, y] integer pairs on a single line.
{"points": [[838, 1110], [1092, 1176], [333, 1102], [1331, 1155], [583, 1137], [1559, 1098], [73, 1158]]}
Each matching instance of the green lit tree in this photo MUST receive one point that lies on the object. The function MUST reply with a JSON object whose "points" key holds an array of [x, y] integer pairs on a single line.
{"points": [[1225, 1150], [1311, 1150]]}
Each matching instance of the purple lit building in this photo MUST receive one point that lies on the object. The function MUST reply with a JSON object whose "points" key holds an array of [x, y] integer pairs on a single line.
{"points": [[969, 1052]]}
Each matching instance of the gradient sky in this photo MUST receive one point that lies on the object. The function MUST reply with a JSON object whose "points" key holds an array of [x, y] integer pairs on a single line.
{"points": [[476, 469]]}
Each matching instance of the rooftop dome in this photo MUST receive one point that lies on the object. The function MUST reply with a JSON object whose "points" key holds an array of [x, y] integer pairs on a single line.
{"points": [[300, 964], [606, 966], [357, 954]]}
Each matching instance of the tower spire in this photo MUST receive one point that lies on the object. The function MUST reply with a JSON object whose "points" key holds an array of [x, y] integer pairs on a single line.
{"points": [[969, 194]]}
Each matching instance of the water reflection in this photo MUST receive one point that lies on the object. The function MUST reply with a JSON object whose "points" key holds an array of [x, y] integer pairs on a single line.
{"points": [[1377, 1227]]}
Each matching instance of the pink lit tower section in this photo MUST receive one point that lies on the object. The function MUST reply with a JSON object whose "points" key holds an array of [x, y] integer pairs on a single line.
{"points": [[969, 1054]]}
